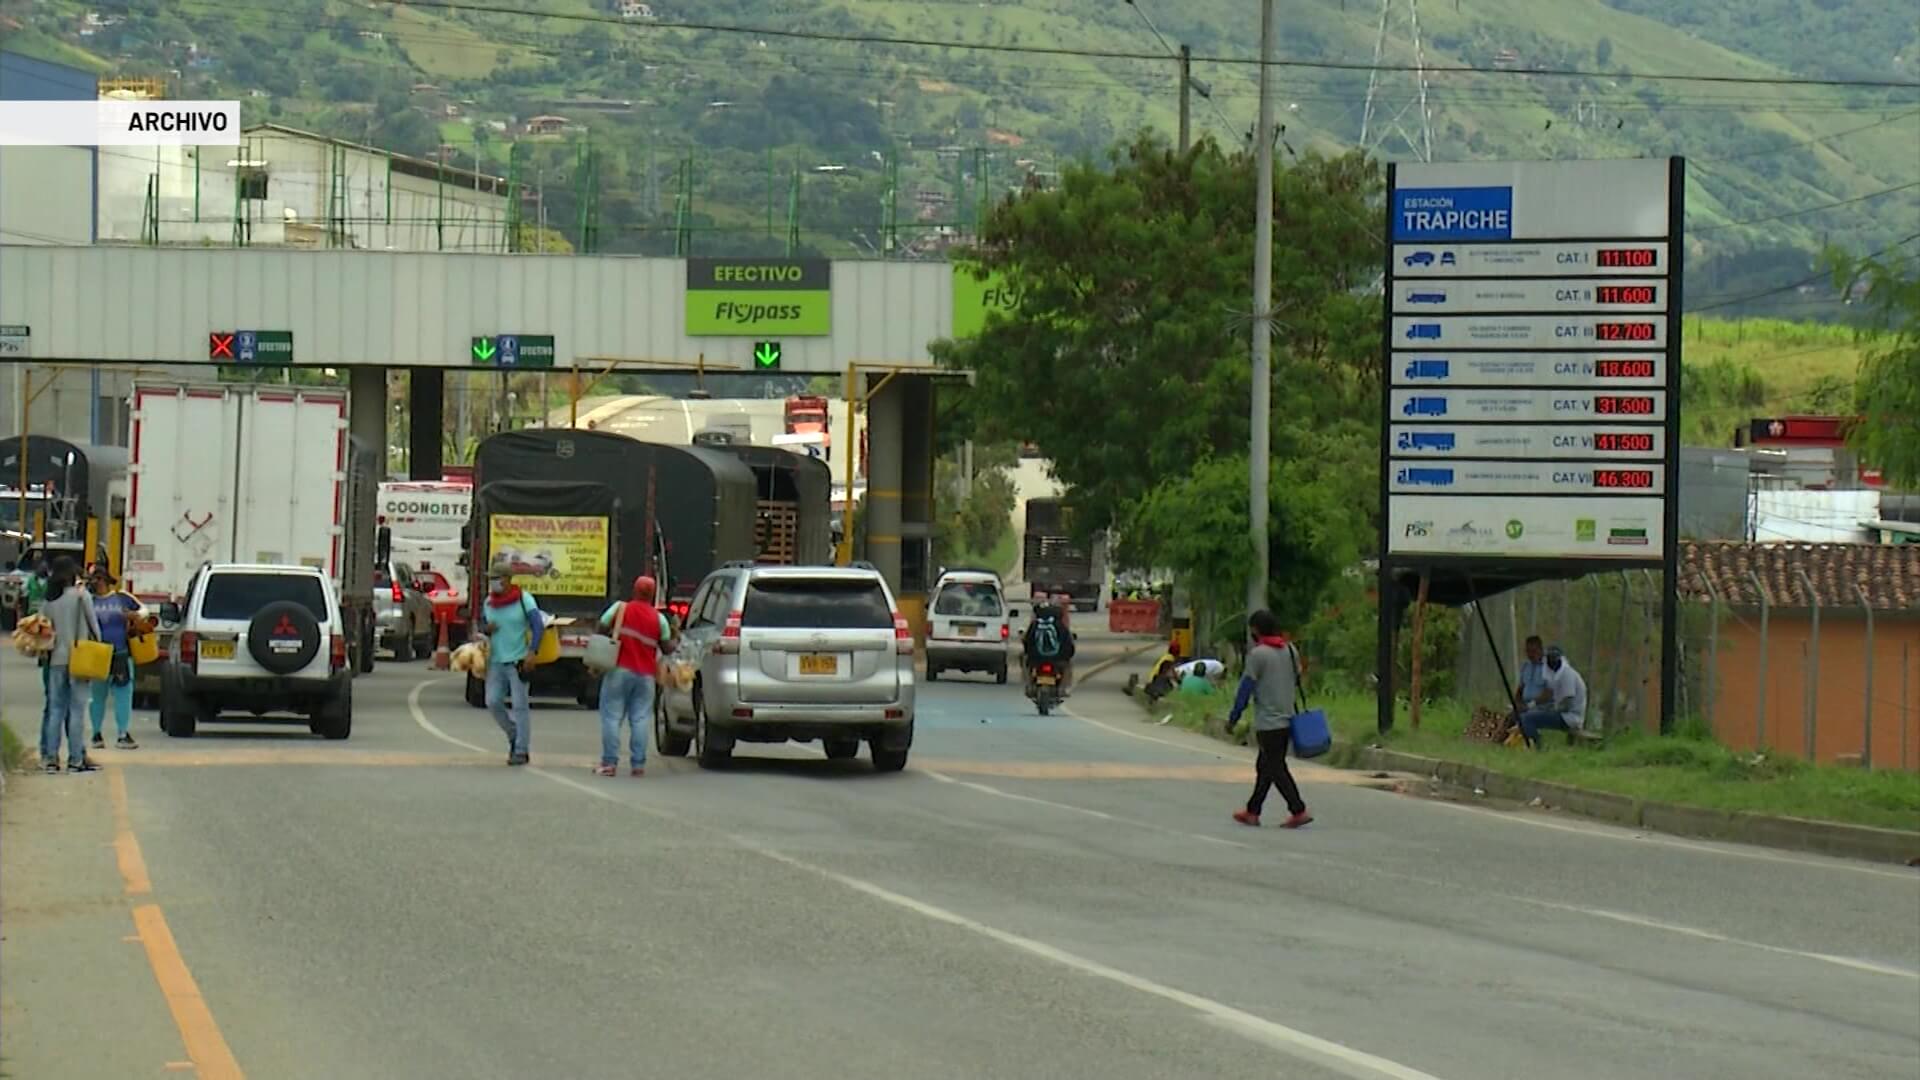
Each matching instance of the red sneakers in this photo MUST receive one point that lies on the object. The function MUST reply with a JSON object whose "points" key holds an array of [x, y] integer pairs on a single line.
{"points": [[638, 771], [1247, 817], [1297, 820]]}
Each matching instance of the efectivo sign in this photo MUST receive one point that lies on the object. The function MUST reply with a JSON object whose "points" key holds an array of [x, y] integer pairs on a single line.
{"points": [[759, 297]]}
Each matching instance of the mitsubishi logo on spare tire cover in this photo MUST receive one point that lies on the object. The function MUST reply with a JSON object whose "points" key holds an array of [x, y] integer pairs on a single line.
{"points": [[283, 637], [563, 448]]}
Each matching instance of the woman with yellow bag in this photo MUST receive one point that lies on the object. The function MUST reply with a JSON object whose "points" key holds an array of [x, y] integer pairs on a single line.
{"points": [[77, 656], [121, 620]]}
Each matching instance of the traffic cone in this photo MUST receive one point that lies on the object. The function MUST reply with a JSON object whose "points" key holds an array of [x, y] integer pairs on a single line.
{"points": [[442, 654]]}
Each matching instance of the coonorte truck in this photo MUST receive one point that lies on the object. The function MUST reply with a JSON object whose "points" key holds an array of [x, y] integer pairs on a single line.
{"points": [[580, 514], [1053, 562]]}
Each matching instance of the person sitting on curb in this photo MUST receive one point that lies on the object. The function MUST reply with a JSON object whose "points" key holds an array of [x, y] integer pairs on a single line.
{"points": [[1567, 693]]}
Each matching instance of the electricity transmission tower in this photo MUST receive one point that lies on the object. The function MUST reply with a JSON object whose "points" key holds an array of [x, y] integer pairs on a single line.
{"points": [[1389, 99]]}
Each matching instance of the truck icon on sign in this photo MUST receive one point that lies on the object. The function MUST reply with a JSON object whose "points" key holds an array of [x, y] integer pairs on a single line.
{"points": [[1426, 298], [1441, 441], [1425, 406], [1436, 477], [1427, 369], [1417, 331]]}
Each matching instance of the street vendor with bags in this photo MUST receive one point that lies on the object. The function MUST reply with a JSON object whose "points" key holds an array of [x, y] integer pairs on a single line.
{"points": [[123, 621]]}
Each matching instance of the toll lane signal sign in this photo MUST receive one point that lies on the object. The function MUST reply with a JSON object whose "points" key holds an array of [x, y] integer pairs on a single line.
{"points": [[766, 355]]}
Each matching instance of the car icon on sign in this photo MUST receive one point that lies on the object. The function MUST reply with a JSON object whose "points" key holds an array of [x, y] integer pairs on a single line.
{"points": [[1447, 259], [1420, 258]]}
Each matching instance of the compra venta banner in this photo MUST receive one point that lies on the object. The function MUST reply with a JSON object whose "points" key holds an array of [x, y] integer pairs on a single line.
{"points": [[555, 556]]}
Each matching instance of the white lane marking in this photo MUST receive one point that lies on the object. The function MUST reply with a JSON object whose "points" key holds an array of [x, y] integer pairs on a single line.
{"points": [[1100, 814], [1341, 1058], [1709, 935], [1204, 752], [1596, 831], [1624, 834], [420, 717], [1625, 918]]}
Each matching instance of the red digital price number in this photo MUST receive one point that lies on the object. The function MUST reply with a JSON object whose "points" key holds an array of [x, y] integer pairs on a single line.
{"points": [[1624, 331], [1626, 294], [1635, 257], [1623, 369], [1623, 478], [1623, 442], [1622, 405]]}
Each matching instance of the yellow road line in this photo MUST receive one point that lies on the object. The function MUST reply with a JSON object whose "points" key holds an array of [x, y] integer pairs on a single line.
{"points": [[212, 1059], [126, 849]]}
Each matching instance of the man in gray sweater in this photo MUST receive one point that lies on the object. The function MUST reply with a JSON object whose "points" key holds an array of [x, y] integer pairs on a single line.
{"points": [[1271, 684], [70, 610]]}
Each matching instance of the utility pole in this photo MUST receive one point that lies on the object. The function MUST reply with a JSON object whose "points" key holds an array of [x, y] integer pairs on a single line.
{"points": [[1186, 98], [1257, 466]]}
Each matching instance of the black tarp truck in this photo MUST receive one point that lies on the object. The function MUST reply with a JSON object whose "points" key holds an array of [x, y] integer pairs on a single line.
{"points": [[793, 511], [1053, 562], [580, 514]]}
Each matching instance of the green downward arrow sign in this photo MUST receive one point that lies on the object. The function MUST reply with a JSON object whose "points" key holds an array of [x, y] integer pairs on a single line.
{"points": [[766, 354], [483, 349]]}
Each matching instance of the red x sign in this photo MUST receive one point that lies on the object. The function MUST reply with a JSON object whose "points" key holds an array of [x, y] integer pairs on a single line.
{"points": [[219, 346]]}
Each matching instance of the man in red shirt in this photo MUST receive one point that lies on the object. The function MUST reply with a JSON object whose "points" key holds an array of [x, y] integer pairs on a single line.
{"points": [[626, 692]]}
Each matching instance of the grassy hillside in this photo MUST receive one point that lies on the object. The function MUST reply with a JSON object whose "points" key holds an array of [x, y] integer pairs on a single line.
{"points": [[726, 120]]}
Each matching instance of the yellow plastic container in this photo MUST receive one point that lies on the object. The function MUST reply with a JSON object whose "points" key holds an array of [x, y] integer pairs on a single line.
{"points": [[549, 649], [143, 648]]}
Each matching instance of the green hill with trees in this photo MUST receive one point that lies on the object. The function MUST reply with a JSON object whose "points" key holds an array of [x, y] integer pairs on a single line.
{"points": [[719, 141]]}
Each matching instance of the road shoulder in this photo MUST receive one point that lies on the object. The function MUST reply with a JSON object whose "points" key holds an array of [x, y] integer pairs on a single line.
{"points": [[79, 998]]}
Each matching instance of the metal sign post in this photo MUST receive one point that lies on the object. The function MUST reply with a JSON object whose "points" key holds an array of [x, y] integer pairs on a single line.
{"points": [[1529, 409]]}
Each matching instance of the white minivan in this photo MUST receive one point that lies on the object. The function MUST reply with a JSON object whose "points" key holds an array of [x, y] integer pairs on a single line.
{"points": [[969, 626]]}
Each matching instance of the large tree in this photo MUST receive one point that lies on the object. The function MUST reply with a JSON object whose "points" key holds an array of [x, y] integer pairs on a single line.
{"points": [[1887, 390], [1125, 357]]}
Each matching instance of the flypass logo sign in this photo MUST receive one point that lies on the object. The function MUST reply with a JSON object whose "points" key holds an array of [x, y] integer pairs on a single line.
{"points": [[759, 298]]}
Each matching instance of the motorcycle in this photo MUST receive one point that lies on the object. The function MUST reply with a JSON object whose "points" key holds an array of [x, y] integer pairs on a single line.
{"points": [[1044, 691]]}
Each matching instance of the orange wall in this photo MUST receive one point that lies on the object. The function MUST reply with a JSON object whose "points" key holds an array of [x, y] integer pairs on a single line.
{"points": [[1840, 705]]}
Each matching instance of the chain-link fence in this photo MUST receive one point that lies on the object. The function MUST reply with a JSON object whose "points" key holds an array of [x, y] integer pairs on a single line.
{"points": [[1835, 684]]}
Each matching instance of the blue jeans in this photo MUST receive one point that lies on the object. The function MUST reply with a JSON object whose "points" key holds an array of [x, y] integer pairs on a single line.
{"points": [[1534, 721], [65, 715], [504, 681], [625, 696], [122, 696]]}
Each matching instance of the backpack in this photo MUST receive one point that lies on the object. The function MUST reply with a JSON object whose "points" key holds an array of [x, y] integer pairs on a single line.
{"points": [[1046, 639]]}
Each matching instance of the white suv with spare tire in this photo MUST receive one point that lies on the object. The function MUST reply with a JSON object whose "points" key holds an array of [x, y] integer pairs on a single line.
{"points": [[258, 639]]}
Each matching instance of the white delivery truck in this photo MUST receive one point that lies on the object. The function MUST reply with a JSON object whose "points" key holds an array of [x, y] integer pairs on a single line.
{"points": [[240, 473], [424, 520]]}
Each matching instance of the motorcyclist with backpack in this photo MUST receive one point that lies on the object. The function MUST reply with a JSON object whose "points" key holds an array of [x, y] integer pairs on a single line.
{"points": [[1047, 640]]}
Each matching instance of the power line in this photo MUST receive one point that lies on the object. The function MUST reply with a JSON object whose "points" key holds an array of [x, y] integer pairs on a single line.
{"points": [[1791, 285], [1203, 90], [1816, 139], [1806, 210], [1119, 54]]}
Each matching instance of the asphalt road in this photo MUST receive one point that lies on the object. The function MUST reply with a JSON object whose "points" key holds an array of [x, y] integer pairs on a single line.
{"points": [[1034, 897]]}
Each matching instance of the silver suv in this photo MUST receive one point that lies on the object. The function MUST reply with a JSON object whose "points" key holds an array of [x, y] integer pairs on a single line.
{"points": [[402, 612], [257, 639], [792, 653]]}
